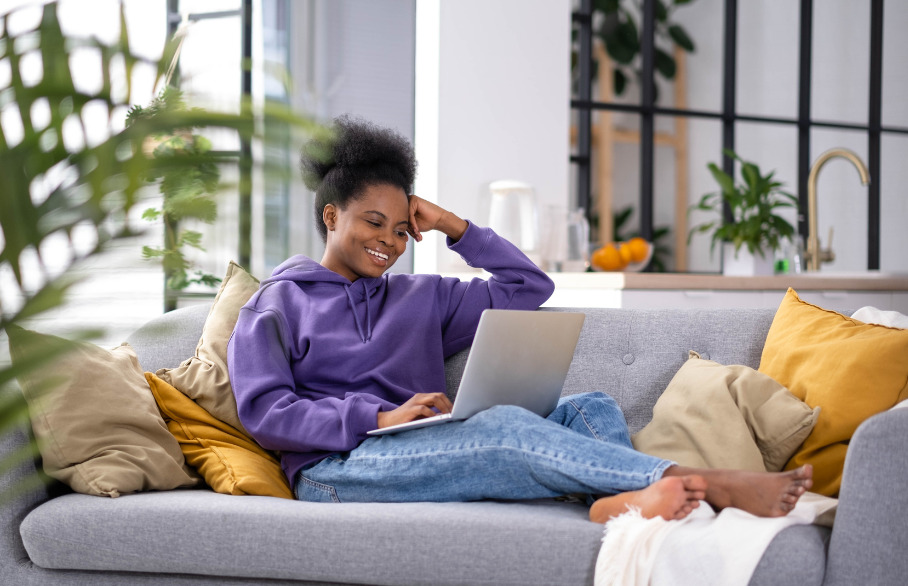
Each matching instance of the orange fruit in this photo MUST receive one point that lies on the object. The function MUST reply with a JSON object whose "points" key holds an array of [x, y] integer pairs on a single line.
{"points": [[639, 249], [608, 258], [624, 249]]}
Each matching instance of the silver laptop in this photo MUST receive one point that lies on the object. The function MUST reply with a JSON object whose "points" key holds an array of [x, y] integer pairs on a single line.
{"points": [[517, 358]]}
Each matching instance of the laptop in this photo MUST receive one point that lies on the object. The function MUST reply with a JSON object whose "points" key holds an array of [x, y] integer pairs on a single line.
{"points": [[517, 358]]}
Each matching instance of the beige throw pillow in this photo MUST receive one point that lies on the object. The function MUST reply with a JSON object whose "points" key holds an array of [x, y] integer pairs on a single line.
{"points": [[97, 424], [715, 416], [204, 377]]}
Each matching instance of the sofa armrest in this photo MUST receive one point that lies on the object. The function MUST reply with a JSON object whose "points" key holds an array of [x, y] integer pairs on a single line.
{"points": [[22, 488], [871, 533]]}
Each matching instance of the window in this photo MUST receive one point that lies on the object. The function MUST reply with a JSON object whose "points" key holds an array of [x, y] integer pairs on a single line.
{"points": [[779, 83]]}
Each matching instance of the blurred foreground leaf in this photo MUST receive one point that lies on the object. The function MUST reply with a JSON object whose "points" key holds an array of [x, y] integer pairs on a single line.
{"points": [[58, 177]]}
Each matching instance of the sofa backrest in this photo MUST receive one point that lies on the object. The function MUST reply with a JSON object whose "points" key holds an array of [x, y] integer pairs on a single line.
{"points": [[169, 339], [631, 354]]}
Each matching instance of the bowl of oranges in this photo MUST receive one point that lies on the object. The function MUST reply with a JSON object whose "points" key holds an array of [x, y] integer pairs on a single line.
{"points": [[630, 256]]}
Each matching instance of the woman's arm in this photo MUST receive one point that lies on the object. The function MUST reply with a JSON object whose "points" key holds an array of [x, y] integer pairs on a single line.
{"points": [[515, 283], [267, 400]]}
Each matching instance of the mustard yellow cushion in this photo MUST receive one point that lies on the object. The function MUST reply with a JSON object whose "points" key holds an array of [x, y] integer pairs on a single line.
{"points": [[96, 422], [228, 459], [203, 377], [716, 416], [849, 368]]}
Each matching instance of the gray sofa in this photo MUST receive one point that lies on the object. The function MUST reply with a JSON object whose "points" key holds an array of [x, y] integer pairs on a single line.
{"points": [[50, 536]]}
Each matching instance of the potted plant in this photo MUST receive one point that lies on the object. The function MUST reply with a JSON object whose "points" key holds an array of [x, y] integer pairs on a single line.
{"points": [[754, 223], [616, 25]]}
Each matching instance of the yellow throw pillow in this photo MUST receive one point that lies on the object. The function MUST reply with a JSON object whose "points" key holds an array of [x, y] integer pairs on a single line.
{"points": [[96, 422], [203, 377], [228, 459], [716, 416], [849, 368]]}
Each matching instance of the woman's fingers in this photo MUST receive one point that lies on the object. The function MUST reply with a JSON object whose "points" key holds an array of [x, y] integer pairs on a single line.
{"points": [[419, 406], [444, 403], [438, 400], [413, 227]]}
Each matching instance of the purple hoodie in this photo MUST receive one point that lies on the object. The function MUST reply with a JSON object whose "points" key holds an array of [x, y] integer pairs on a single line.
{"points": [[314, 357]]}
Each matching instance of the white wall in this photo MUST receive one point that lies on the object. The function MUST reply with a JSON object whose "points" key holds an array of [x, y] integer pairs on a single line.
{"points": [[349, 57], [493, 105]]}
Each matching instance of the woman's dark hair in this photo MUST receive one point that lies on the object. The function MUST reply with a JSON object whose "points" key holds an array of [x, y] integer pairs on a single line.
{"points": [[358, 155]]}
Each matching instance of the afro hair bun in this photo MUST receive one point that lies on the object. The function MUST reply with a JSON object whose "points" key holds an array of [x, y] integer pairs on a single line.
{"points": [[356, 155], [358, 144]]}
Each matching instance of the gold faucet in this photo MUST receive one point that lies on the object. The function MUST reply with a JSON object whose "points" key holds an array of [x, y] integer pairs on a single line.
{"points": [[815, 254]]}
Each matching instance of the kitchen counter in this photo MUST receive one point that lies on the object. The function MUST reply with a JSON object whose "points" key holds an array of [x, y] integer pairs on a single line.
{"points": [[642, 290], [869, 281]]}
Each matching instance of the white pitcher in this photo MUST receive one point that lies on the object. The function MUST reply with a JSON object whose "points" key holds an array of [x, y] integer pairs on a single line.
{"points": [[513, 214]]}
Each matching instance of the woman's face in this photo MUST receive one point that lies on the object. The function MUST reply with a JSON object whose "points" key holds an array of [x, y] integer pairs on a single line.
{"points": [[368, 236]]}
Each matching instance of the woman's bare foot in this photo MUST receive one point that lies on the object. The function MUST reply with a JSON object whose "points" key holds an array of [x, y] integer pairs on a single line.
{"points": [[764, 494], [670, 498]]}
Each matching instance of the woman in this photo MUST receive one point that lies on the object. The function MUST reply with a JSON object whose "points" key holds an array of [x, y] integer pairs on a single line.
{"points": [[325, 352]]}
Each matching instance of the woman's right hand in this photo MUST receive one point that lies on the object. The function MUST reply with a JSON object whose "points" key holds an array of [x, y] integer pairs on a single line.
{"points": [[425, 216], [419, 406]]}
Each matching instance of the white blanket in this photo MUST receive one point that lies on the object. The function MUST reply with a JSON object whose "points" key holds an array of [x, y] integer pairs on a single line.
{"points": [[703, 549], [872, 315]]}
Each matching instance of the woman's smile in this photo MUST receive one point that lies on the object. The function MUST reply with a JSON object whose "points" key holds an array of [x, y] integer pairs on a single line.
{"points": [[381, 257]]}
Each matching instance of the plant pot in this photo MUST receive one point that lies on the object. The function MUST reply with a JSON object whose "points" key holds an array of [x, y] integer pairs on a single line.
{"points": [[745, 264]]}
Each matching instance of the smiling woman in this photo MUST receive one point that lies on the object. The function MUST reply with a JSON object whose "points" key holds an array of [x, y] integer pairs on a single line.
{"points": [[324, 353]]}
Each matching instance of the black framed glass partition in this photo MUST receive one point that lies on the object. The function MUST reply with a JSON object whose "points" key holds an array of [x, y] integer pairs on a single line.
{"points": [[780, 81]]}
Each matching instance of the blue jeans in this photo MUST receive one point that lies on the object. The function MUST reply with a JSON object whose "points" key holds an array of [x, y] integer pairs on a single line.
{"points": [[501, 453]]}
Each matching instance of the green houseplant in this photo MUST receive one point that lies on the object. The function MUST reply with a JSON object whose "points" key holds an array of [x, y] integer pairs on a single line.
{"points": [[56, 184], [616, 25], [753, 203], [188, 193]]}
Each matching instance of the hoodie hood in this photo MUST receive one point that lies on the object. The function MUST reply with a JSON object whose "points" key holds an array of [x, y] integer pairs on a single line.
{"points": [[302, 269]]}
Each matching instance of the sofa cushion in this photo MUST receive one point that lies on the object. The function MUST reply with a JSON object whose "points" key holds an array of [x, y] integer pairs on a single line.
{"points": [[203, 377], [716, 416], [97, 424], [229, 460], [849, 368], [203, 533]]}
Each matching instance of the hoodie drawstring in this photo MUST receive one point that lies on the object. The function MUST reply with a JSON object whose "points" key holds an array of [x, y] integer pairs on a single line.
{"points": [[359, 327]]}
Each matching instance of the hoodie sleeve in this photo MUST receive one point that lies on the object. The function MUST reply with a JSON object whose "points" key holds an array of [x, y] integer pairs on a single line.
{"points": [[515, 283], [268, 404]]}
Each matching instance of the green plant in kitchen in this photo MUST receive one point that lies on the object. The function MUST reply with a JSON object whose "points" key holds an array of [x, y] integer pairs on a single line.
{"points": [[753, 202], [661, 250], [615, 23]]}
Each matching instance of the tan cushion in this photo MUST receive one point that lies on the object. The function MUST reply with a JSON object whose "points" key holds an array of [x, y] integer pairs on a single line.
{"points": [[95, 419], [715, 416], [204, 377], [229, 460], [850, 368]]}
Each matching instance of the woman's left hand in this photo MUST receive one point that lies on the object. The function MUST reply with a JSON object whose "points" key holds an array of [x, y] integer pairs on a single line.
{"points": [[425, 216]]}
